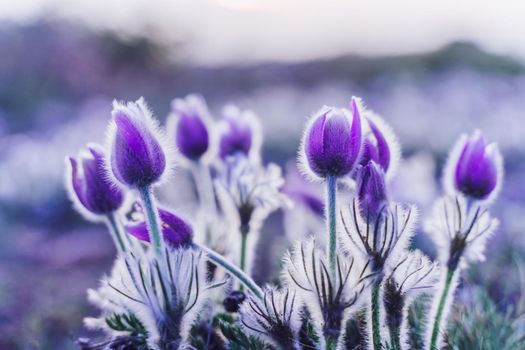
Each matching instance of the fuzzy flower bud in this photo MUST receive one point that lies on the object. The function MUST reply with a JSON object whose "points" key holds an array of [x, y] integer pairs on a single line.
{"points": [[191, 129], [137, 158], [474, 168], [371, 190], [379, 144], [175, 230], [90, 184], [332, 142], [239, 133]]}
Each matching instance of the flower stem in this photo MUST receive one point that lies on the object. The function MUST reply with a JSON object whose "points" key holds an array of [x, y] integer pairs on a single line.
{"points": [[242, 261], [331, 188], [436, 327], [114, 229], [150, 210], [376, 332], [234, 270], [395, 338]]}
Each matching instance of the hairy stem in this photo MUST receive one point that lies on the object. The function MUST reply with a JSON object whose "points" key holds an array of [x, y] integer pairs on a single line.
{"points": [[331, 188], [232, 269], [116, 233], [152, 219], [204, 185], [331, 343], [438, 320], [376, 331], [242, 261], [395, 338]]}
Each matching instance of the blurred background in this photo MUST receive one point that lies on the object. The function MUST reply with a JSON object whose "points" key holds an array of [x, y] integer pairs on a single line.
{"points": [[432, 72]]}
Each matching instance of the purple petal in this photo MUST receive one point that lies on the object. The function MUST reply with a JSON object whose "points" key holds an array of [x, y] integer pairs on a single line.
{"points": [[382, 148], [192, 137], [371, 189]]}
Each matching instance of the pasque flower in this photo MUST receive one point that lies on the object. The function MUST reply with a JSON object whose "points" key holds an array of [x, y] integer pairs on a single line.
{"points": [[191, 122], [240, 133], [379, 144], [371, 190], [474, 168], [137, 158], [332, 142], [90, 186], [176, 232]]}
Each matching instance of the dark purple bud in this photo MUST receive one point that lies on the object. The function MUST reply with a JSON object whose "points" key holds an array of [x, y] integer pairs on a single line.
{"points": [[176, 232], [191, 132], [237, 134], [233, 301], [332, 143], [91, 185], [371, 190], [375, 147], [137, 158], [476, 171]]}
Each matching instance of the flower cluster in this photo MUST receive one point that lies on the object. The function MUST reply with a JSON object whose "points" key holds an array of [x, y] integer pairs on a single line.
{"points": [[186, 282]]}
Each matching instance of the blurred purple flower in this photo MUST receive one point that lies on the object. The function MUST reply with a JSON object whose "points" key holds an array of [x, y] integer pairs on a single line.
{"points": [[137, 158], [175, 230], [91, 185], [239, 132], [191, 130], [371, 190], [332, 142]]}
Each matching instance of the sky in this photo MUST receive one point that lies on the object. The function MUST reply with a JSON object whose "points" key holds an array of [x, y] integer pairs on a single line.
{"points": [[243, 31]]}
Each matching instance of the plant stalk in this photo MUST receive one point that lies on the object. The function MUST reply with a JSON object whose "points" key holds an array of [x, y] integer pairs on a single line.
{"points": [[331, 189], [242, 261], [152, 219], [114, 230], [232, 269], [376, 331], [436, 327], [395, 338]]}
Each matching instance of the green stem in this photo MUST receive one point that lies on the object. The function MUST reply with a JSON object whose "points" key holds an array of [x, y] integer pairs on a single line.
{"points": [[114, 229], [331, 343], [395, 338], [376, 331], [232, 269], [331, 187], [242, 261], [440, 310], [152, 219]]}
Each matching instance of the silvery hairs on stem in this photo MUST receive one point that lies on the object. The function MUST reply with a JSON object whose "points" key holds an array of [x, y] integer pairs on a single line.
{"points": [[166, 301], [329, 301], [412, 276], [275, 318], [383, 239], [460, 232]]}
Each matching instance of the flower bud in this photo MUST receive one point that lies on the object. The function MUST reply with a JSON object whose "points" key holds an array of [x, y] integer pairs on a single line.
{"points": [[380, 144], [239, 133], [233, 301], [175, 230], [191, 126], [90, 184], [371, 190], [476, 168], [332, 142], [137, 158]]}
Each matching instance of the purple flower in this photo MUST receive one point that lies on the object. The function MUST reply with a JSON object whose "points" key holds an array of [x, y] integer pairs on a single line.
{"points": [[191, 132], [332, 142], [371, 190], [478, 167], [239, 133], [379, 144], [137, 158], [176, 231], [90, 183]]}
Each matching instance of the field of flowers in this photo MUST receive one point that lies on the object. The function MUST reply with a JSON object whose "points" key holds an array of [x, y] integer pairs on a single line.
{"points": [[258, 207]]}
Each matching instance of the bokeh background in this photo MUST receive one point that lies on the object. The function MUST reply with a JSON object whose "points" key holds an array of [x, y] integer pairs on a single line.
{"points": [[432, 72]]}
